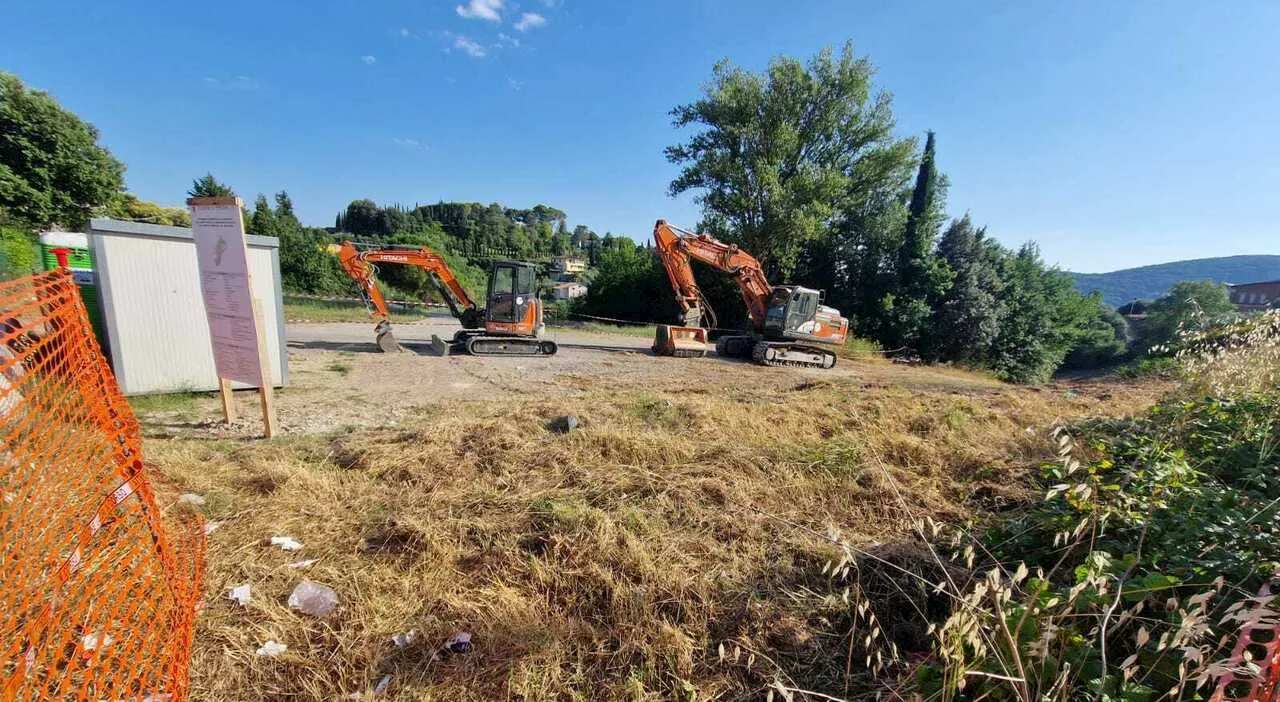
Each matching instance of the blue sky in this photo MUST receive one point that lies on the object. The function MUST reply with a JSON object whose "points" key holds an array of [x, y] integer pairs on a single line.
{"points": [[1114, 133]]}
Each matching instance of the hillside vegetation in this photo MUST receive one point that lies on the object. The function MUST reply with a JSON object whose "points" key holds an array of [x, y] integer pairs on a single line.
{"points": [[1151, 282]]}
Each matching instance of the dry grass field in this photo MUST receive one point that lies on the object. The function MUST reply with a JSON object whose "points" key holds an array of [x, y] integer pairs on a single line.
{"points": [[689, 510]]}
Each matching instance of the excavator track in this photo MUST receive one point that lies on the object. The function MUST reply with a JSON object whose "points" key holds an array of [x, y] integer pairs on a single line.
{"points": [[509, 346], [781, 354]]}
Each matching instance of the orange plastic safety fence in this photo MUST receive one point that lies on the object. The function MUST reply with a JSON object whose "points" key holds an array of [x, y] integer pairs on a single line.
{"points": [[98, 593], [1252, 674]]}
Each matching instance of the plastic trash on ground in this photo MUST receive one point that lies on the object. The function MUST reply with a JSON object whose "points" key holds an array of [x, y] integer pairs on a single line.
{"points": [[271, 649], [458, 643], [190, 498], [286, 542], [404, 638], [239, 594], [303, 564], [210, 527], [313, 598]]}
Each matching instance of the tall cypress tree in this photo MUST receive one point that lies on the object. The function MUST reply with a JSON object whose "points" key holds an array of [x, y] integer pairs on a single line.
{"points": [[919, 278]]}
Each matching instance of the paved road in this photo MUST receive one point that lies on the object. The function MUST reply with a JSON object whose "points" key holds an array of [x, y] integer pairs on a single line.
{"points": [[416, 337]]}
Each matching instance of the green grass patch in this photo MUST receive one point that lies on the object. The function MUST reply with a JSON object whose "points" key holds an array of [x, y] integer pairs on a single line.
{"points": [[169, 402], [339, 367], [302, 309], [645, 331]]}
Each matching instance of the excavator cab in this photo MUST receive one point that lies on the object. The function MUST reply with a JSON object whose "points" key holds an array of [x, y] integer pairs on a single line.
{"points": [[513, 305], [796, 312]]}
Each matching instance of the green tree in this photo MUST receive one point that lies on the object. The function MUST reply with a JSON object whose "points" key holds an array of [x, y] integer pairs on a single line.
{"points": [[208, 186], [363, 218], [780, 153], [263, 220], [128, 207], [1044, 318], [1104, 341], [631, 284], [1190, 304], [18, 252], [920, 276], [967, 317], [52, 169]]}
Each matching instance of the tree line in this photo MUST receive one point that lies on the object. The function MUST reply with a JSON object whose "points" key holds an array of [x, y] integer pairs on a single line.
{"points": [[800, 166], [471, 227]]}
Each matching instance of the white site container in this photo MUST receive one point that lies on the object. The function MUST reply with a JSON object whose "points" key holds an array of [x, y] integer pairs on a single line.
{"points": [[149, 287]]}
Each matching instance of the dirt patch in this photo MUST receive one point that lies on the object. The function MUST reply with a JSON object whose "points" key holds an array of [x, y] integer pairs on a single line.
{"points": [[338, 380]]}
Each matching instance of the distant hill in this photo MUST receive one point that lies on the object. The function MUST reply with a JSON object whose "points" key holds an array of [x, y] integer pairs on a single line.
{"points": [[1150, 282]]}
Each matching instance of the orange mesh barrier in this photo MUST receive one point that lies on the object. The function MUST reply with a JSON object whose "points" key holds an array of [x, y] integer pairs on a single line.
{"points": [[97, 596], [1253, 671]]}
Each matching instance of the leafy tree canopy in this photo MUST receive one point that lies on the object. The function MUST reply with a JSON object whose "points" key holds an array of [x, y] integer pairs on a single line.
{"points": [[1190, 305], [52, 169], [779, 153]]}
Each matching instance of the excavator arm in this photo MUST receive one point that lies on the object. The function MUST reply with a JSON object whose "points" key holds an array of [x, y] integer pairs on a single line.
{"points": [[676, 247], [360, 265]]}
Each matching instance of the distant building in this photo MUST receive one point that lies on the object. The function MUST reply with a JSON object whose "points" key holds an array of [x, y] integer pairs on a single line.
{"points": [[568, 291], [1253, 297], [564, 267]]}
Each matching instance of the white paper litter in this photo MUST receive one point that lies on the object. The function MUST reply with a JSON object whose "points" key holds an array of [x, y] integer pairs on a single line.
{"points": [[92, 641], [271, 649], [405, 638], [304, 564], [210, 527], [313, 598], [190, 498], [286, 542], [239, 594]]}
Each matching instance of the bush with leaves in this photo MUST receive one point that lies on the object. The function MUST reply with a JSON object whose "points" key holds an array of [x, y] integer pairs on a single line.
{"points": [[1132, 579]]}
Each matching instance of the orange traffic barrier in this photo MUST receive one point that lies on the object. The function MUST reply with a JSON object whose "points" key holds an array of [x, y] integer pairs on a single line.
{"points": [[98, 591]]}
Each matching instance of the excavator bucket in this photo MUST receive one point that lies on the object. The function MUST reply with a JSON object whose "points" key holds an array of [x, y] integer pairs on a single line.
{"points": [[440, 346], [680, 341], [387, 343]]}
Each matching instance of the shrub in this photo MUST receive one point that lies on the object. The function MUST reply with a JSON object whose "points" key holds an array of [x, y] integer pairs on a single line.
{"points": [[18, 253]]}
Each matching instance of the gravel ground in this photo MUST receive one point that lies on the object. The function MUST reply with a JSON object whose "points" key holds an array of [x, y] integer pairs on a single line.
{"points": [[339, 380]]}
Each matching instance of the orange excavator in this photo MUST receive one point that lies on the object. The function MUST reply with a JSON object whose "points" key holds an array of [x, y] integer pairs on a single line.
{"points": [[790, 325], [510, 324]]}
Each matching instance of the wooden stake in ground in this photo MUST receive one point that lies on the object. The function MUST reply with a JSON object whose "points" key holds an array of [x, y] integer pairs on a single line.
{"points": [[235, 324]]}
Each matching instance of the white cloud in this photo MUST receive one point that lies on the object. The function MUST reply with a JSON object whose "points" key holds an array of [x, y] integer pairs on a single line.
{"points": [[409, 144], [469, 46], [404, 31], [490, 10], [369, 60], [530, 20], [234, 83], [505, 39], [514, 84], [551, 3]]}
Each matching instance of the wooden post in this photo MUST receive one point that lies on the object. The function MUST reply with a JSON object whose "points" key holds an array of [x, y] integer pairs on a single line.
{"points": [[228, 402], [265, 388]]}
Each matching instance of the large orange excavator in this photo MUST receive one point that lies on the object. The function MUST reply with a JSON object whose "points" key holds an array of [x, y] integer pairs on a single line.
{"points": [[510, 324], [790, 325]]}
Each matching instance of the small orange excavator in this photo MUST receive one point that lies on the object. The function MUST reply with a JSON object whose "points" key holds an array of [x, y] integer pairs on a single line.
{"points": [[510, 325], [790, 325]]}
